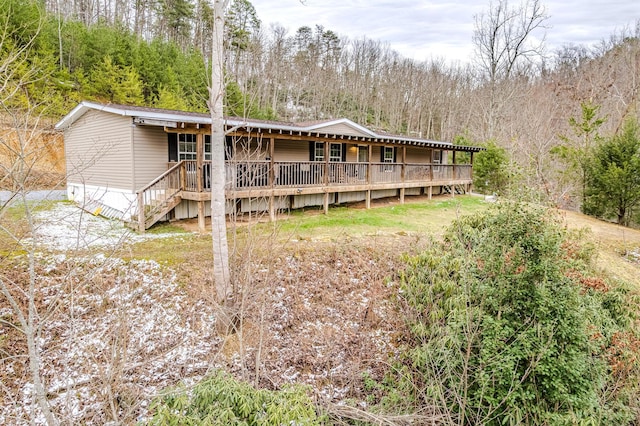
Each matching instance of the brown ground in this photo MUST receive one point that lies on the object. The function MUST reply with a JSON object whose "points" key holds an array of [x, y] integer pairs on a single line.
{"points": [[43, 153], [615, 245]]}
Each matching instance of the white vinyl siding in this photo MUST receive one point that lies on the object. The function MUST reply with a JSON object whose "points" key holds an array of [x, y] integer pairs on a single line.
{"points": [[150, 146], [418, 156], [286, 150], [98, 151]]}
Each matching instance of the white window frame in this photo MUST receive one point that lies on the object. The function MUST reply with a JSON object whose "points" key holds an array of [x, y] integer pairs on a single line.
{"points": [[387, 158], [207, 147], [187, 146], [333, 157], [387, 150], [318, 151], [437, 159]]}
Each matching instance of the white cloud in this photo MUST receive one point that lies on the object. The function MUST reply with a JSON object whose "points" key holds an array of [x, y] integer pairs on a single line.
{"points": [[443, 29]]}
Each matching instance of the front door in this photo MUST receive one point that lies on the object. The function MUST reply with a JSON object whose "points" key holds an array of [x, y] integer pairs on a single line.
{"points": [[363, 154]]}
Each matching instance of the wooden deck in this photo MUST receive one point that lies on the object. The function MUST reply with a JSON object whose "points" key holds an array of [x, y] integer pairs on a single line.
{"points": [[189, 180], [263, 178]]}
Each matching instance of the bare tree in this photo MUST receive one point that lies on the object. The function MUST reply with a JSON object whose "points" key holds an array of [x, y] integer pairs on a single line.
{"points": [[221, 275], [502, 37], [504, 48]]}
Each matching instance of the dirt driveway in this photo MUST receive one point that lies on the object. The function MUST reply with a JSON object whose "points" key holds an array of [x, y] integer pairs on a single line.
{"points": [[618, 247]]}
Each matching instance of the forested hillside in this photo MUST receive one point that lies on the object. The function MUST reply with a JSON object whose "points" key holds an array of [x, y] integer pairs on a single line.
{"points": [[154, 52]]}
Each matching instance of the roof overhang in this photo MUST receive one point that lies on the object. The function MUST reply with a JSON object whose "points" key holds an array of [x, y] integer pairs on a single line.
{"points": [[156, 118], [176, 119]]}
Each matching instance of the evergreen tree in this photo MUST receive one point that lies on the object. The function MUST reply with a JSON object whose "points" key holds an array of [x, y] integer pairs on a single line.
{"points": [[117, 84], [491, 169], [613, 178]]}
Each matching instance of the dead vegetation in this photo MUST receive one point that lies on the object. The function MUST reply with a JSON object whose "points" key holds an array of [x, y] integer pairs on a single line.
{"points": [[312, 307]]}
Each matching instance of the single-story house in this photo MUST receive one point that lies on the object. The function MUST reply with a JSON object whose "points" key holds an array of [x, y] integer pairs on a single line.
{"points": [[148, 164]]}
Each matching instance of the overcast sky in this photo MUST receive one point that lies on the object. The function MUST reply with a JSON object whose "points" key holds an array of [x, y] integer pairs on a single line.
{"points": [[425, 29]]}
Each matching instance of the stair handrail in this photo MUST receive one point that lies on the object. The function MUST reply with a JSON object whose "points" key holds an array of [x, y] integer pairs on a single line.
{"points": [[162, 176], [140, 194]]}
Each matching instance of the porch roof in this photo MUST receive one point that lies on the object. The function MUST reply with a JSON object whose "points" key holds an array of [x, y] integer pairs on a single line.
{"points": [[317, 129]]}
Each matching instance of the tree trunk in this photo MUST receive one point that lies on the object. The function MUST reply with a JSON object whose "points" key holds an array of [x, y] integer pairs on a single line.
{"points": [[221, 276]]}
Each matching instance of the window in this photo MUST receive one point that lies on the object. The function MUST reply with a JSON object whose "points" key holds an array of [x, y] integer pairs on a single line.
{"points": [[319, 151], [437, 159], [437, 156], [207, 148], [387, 154], [335, 152], [388, 158], [187, 146]]}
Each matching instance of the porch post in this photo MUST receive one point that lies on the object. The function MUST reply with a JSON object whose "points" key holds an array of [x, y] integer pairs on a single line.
{"points": [[453, 174], [199, 179], [369, 171], [453, 160], [199, 160], [431, 165], [471, 173], [326, 178], [402, 173], [272, 179]]}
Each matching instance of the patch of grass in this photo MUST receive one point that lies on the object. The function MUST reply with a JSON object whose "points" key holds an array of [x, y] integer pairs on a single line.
{"points": [[172, 251], [424, 216], [166, 228]]}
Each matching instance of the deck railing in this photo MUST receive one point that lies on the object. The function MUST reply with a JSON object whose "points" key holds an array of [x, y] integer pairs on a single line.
{"points": [[153, 197], [242, 175]]}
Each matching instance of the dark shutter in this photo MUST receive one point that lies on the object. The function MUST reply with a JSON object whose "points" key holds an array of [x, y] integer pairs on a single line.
{"points": [[395, 154], [312, 151], [173, 147], [228, 148], [344, 152], [382, 154]]}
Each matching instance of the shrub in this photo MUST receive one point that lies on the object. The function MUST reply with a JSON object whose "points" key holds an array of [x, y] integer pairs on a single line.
{"points": [[221, 400], [509, 324]]}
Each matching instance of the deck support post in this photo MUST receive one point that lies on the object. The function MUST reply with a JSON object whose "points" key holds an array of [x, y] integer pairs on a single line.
{"points": [[368, 200], [401, 195], [272, 208], [430, 192], [201, 222], [325, 203]]}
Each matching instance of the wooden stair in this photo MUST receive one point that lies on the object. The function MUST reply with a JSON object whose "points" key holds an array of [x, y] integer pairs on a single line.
{"points": [[159, 197], [160, 210]]}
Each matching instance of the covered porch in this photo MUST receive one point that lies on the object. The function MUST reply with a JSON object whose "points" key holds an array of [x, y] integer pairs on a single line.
{"points": [[272, 180]]}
